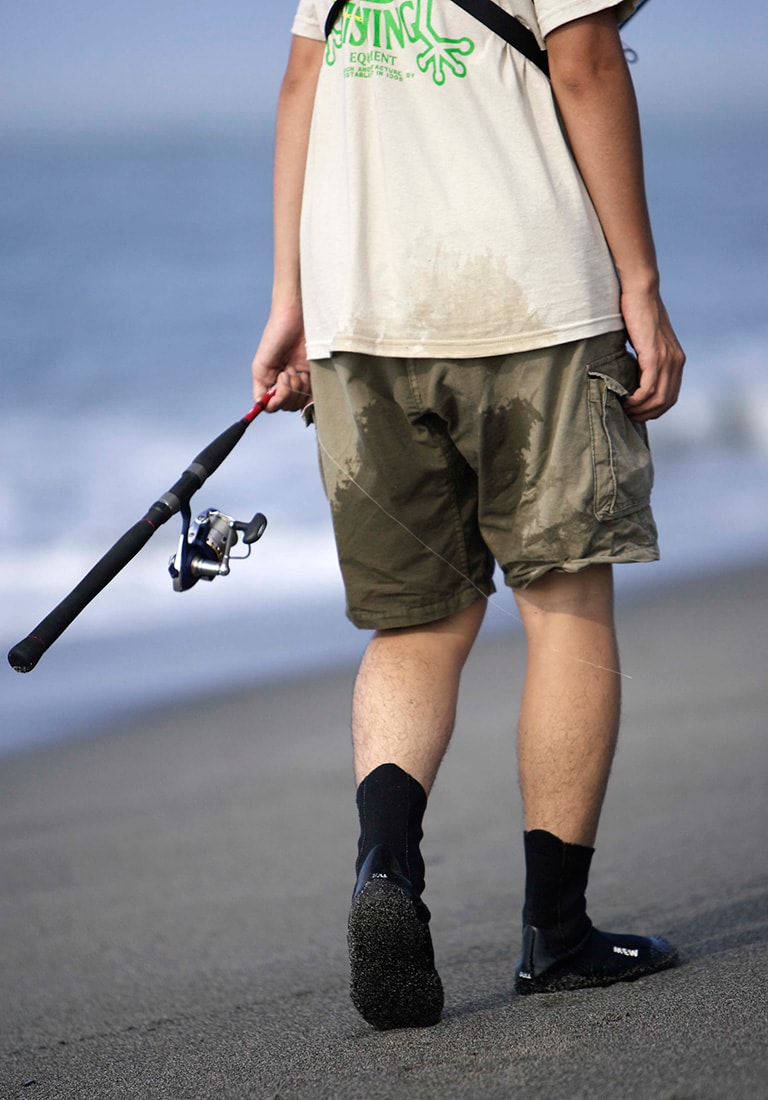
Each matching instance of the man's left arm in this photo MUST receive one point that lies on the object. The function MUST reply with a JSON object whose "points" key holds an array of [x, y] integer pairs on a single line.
{"points": [[596, 100]]}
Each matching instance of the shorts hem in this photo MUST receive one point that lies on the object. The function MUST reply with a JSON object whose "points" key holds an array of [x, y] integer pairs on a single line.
{"points": [[520, 577], [422, 614]]}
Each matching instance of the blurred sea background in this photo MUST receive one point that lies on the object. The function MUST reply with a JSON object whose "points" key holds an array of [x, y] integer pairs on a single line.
{"points": [[135, 264]]}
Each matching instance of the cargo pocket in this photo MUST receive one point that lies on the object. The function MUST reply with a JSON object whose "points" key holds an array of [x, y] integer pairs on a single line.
{"points": [[621, 461]]}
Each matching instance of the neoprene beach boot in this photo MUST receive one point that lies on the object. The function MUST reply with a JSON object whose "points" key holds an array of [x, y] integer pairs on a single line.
{"points": [[394, 982], [561, 948]]}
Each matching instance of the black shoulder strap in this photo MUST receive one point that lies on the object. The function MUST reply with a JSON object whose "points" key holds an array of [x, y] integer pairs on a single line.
{"points": [[494, 17], [333, 15], [507, 27]]}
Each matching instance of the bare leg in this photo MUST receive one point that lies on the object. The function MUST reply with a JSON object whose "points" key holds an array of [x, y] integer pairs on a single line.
{"points": [[569, 716], [403, 714], [404, 705]]}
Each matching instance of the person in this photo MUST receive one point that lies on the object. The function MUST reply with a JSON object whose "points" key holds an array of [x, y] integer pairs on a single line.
{"points": [[462, 252]]}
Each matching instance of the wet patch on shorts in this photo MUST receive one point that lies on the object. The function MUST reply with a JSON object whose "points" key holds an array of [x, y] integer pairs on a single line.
{"points": [[434, 468]]}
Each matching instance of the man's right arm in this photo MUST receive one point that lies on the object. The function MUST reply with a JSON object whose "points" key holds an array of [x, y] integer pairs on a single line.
{"points": [[280, 361]]}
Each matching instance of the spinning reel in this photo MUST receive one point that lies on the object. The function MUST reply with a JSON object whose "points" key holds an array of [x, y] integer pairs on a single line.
{"points": [[206, 544]]}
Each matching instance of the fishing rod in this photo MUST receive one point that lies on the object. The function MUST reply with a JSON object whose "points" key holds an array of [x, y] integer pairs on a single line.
{"points": [[203, 552]]}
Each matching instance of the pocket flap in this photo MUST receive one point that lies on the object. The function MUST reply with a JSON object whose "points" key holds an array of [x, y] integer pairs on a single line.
{"points": [[611, 384]]}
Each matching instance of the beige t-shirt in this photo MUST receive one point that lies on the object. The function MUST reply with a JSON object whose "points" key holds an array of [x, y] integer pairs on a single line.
{"points": [[443, 213]]}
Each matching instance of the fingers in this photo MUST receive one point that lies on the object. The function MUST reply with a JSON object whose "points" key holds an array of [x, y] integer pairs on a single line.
{"points": [[659, 355], [293, 390], [281, 364], [659, 386]]}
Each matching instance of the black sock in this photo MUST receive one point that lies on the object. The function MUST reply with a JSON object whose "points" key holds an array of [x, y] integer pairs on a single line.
{"points": [[555, 888], [391, 806]]}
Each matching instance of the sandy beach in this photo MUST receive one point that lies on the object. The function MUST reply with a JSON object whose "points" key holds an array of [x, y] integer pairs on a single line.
{"points": [[174, 891]]}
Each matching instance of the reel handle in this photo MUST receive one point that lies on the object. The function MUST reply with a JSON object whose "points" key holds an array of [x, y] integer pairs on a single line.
{"points": [[253, 530]]}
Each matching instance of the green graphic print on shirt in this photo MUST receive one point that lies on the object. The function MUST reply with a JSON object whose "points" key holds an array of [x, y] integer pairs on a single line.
{"points": [[375, 29]]}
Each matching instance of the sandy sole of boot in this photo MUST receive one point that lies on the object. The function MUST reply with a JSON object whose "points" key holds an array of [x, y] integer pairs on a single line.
{"points": [[393, 979]]}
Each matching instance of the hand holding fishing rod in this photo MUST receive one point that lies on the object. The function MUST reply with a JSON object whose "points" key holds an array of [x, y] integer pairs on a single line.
{"points": [[213, 536]]}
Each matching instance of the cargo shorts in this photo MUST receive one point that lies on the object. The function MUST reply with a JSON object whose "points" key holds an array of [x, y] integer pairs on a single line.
{"points": [[435, 469]]}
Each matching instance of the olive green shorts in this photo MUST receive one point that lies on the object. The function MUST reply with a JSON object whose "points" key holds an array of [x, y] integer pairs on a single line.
{"points": [[437, 468]]}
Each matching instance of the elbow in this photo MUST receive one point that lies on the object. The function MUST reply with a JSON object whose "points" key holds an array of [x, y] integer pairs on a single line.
{"points": [[577, 79], [304, 65], [585, 54]]}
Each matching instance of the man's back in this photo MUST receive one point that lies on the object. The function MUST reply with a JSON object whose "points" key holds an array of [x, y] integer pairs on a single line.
{"points": [[443, 212]]}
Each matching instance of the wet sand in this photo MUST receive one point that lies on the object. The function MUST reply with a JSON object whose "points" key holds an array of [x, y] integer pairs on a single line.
{"points": [[174, 892]]}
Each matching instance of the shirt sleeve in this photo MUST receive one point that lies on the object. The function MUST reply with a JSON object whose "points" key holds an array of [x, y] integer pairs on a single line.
{"points": [[551, 14], [306, 23]]}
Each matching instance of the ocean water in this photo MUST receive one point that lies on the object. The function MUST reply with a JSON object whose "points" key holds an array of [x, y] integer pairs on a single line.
{"points": [[134, 281]]}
